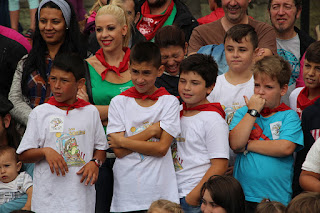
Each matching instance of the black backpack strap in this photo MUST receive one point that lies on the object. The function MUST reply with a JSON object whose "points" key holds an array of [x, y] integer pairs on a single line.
{"points": [[88, 82]]}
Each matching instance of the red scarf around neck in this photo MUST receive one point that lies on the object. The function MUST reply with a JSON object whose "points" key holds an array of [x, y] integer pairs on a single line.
{"points": [[78, 104], [122, 67], [303, 101], [149, 24], [267, 111], [133, 93], [214, 107]]}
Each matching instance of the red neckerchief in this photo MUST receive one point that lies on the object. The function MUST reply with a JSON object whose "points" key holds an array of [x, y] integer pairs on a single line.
{"points": [[133, 93], [149, 24], [78, 104], [267, 111], [303, 101], [123, 64], [257, 133], [214, 107]]}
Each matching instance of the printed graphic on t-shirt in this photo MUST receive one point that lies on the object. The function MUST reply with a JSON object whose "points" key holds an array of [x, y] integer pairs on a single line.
{"points": [[294, 62], [275, 129], [69, 149], [315, 133], [56, 123], [136, 130], [230, 111], [177, 161]]}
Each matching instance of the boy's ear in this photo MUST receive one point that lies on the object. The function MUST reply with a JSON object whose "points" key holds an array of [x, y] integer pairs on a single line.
{"points": [[81, 82], [19, 165], [284, 90], [160, 70], [186, 48], [7, 120], [210, 88]]}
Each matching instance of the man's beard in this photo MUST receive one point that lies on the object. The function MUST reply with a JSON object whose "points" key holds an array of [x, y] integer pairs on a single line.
{"points": [[157, 3]]}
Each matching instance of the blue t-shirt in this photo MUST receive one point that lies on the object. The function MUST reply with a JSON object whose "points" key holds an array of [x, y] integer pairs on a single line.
{"points": [[263, 176]]}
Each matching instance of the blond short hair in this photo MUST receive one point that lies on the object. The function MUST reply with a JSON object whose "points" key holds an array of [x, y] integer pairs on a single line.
{"points": [[275, 67], [307, 202], [165, 205]]}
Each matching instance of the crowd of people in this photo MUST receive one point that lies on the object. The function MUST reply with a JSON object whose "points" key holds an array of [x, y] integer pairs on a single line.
{"points": [[139, 107]]}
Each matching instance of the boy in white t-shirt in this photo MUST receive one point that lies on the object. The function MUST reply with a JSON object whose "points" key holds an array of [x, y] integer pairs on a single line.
{"points": [[12, 183], [202, 149], [64, 136], [143, 170], [240, 44]]}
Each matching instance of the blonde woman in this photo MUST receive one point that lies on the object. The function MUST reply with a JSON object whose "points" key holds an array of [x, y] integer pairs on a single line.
{"points": [[109, 76]]}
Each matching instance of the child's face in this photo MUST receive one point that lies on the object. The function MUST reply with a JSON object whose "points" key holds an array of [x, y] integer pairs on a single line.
{"points": [[192, 89], [311, 75], [239, 56], [209, 206], [144, 75], [109, 32], [171, 58], [64, 86], [269, 89], [9, 167]]}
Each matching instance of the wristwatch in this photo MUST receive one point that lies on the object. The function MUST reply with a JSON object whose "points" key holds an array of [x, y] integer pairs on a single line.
{"points": [[97, 162], [253, 113]]}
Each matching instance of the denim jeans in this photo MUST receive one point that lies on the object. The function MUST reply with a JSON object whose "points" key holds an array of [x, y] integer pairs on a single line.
{"points": [[189, 208]]}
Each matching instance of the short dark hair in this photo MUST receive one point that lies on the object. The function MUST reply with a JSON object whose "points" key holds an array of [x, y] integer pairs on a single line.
{"points": [[313, 52], [239, 31], [170, 35], [275, 67], [297, 3], [204, 65], [146, 52], [226, 192], [70, 62], [10, 150]]}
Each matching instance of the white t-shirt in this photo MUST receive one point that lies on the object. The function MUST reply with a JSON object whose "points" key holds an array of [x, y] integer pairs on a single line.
{"points": [[312, 162], [293, 98], [139, 179], [231, 98], [75, 136], [16, 188], [204, 136]]}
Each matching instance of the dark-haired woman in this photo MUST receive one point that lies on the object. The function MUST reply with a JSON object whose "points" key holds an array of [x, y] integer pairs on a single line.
{"points": [[56, 31], [222, 194]]}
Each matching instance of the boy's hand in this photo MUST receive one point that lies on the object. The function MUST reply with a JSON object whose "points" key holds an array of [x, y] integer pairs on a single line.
{"points": [[83, 95], [90, 171], [255, 102], [156, 129], [55, 161], [115, 140]]}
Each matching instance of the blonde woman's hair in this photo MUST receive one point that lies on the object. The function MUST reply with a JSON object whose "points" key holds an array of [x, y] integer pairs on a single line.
{"points": [[165, 205], [120, 15]]}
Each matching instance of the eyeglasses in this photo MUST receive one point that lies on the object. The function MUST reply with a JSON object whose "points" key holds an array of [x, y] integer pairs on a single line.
{"points": [[286, 7]]}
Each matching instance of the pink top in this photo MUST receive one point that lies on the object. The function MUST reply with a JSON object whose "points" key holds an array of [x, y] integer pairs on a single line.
{"points": [[14, 35]]}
